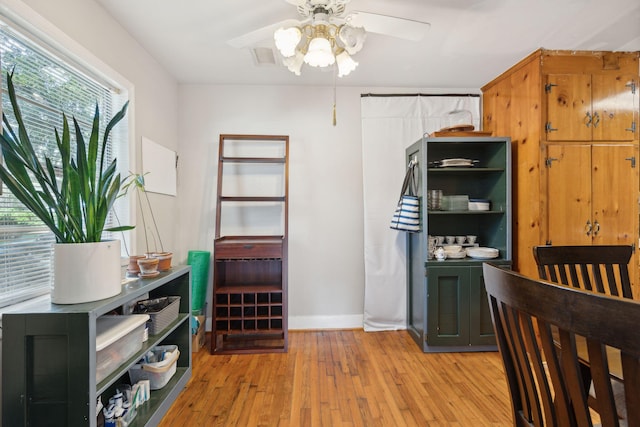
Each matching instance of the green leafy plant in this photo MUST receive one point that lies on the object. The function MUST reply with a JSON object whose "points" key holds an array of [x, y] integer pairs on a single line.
{"points": [[75, 207]]}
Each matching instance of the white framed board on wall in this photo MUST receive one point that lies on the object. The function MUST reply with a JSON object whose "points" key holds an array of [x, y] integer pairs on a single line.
{"points": [[159, 168]]}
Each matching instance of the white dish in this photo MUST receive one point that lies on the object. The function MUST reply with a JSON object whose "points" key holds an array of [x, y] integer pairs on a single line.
{"points": [[456, 255], [483, 253], [445, 163]]}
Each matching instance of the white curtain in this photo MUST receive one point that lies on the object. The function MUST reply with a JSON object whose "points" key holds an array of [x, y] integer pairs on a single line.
{"points": [[389, 125]]}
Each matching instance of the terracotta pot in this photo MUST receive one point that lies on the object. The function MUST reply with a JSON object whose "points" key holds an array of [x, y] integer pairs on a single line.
{"points": [[133, 267], [164, 260], [148, 266]]}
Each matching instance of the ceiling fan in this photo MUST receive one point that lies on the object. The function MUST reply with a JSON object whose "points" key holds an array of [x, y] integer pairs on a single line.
{"points": [[326, 35]]}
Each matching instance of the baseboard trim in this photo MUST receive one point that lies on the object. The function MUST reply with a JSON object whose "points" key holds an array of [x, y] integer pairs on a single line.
{"points": [[325, 322]]}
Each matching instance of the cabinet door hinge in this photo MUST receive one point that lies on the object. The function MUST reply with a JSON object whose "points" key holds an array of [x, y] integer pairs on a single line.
{"points": [[632, 86], [548, 86], [549, 160], [632, 128], [633, 247], [548, 243], [548, 128]]}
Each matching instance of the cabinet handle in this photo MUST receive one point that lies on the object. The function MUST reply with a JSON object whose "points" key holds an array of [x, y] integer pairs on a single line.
{"points": [[596, 119], [632, 160], [587, 228], [548, 128], [588, 119], [596, 228]]}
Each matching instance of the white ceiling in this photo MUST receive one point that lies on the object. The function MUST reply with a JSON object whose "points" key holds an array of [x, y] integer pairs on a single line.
{"points": [[469, 43]]}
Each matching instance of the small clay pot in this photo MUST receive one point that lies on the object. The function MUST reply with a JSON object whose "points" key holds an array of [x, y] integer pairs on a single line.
{"points": [[133, 267], [164, 260], [148, 266]]}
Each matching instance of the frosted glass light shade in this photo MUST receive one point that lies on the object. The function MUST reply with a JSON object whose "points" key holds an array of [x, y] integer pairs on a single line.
{"points": [[287, 40], [352, 38], [294, 62], [346, 64], [319, 53]]}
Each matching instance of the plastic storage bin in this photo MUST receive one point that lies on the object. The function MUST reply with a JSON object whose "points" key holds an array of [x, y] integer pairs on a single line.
{"points": [[117, 339], [455, 203], [158, 373], [159, 318]]}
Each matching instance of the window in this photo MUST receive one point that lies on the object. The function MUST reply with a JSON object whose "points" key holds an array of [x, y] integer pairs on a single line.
{"points": [[46, 86]]}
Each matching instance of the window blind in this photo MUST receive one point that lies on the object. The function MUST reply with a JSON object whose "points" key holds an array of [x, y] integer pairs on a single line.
{"points": [[46, 86]]}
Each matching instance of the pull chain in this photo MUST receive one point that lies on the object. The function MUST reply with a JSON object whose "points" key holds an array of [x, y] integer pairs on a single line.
{"points": [[334, 99]]}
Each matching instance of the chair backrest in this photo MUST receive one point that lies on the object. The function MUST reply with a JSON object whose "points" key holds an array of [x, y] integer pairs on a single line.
{"points": [[544, 380], [600, 268]]}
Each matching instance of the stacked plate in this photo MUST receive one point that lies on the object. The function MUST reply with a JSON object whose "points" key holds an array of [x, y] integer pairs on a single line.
{"points": [[483, 253], [448, 163]]}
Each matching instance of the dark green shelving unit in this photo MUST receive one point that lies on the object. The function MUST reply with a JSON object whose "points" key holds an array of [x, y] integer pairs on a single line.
{"points": [[49, 357], [447, 307]]}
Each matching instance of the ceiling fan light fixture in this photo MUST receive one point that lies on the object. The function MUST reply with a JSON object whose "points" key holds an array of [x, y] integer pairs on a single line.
{"points": [[320, 53], [294, 62], [352, 38], [345, 62], [287, 40]]}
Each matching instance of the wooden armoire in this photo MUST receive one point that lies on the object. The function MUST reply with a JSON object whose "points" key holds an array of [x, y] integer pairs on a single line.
{"points": [[573, 121]]}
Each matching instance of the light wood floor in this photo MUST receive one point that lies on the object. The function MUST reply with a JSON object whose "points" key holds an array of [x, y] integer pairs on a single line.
{"points": [[344, 378]]}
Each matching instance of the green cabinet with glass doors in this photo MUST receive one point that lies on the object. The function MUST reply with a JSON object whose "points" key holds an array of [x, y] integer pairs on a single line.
{"points": [[447, 307]]}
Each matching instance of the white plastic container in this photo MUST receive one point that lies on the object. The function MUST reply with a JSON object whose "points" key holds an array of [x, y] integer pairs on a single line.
{"points": [[479, 204], [118, 338], [158, 373]]}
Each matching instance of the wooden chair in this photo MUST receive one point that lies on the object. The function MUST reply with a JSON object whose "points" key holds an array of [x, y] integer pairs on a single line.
{"points": [[545, 384], [600, 268]]}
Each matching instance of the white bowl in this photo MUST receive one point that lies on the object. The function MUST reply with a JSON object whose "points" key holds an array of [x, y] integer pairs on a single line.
{"points": [[452, 249]]}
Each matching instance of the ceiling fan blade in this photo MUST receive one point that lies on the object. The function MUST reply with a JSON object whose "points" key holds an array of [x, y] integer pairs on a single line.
{"points": [[261, 34], [389, 25]]}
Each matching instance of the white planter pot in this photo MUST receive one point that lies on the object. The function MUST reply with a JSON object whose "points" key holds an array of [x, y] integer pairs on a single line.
{"points": [[85, 272]]}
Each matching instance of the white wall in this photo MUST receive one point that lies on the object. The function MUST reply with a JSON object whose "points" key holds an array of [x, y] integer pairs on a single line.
{"points": [[326, 248], [326, 269], [155, 95]]}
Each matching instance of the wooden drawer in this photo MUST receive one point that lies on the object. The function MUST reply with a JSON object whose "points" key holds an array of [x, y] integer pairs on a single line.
{"points": [[248, 247]]}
